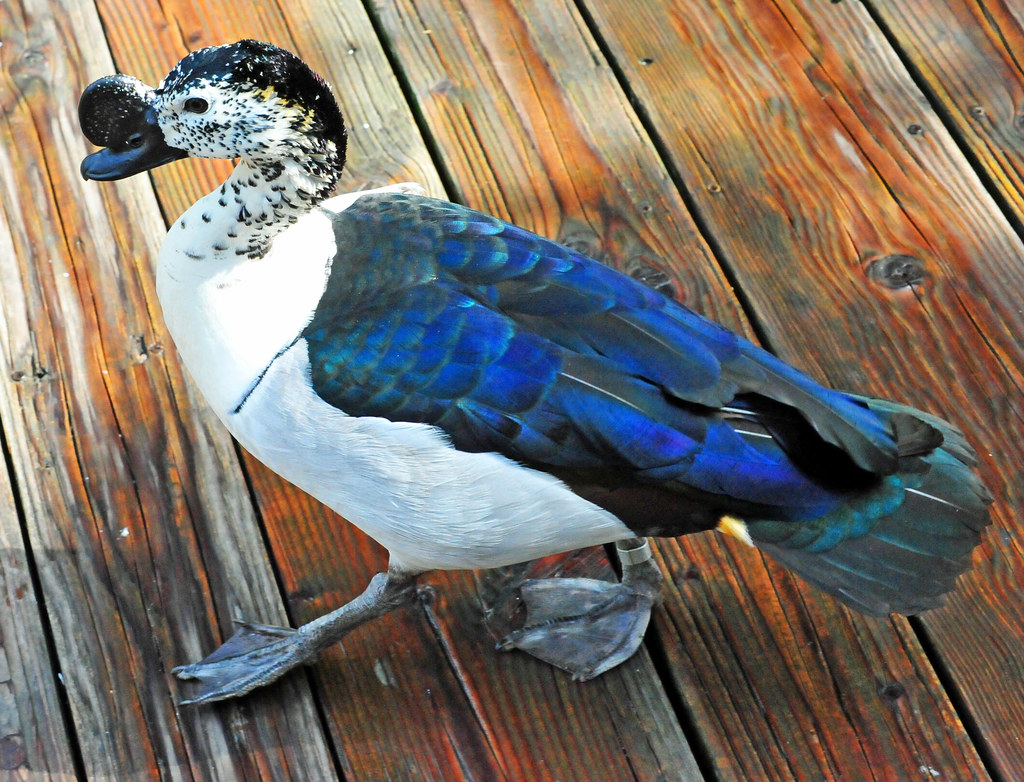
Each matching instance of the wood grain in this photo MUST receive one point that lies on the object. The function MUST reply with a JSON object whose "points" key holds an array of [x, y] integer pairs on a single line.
{"points": [[35, 737], [122, 477], [814, 133], [966, 55]]}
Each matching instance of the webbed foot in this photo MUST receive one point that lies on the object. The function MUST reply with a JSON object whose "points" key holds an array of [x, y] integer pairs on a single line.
{"points": [[254, 656], [585, 626], [257, 655]]}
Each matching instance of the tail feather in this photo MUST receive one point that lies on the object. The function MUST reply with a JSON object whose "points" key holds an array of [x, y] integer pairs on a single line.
{"points": [[907, 557]]}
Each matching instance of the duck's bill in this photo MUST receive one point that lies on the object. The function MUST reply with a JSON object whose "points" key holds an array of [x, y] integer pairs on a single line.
{"points": [[110, 163], [116, 112]]}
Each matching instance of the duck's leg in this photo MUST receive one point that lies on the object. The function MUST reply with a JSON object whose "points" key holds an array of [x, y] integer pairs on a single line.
{"points": [[586, 626], [260, 654]]}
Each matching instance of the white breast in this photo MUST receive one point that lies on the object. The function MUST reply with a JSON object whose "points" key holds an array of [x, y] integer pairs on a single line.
{"points": [[236, 324], [229, 316]]}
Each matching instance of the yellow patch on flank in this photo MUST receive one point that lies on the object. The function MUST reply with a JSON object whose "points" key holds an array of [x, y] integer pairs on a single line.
{"points": [[266, 92], [730, 525]]}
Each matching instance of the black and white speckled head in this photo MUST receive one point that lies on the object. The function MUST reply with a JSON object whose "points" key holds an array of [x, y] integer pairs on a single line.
{"points": [[252, 100]]}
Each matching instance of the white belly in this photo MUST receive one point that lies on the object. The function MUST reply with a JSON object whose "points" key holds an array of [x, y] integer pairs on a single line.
{"points": [[431, 506]]}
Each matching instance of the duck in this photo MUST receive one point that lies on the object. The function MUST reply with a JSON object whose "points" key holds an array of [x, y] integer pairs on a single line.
{"points": [[473, 395]]}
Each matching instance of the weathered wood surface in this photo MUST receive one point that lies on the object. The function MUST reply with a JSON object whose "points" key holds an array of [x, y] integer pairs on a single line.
{"points": [[783, 149], [879, 177]]}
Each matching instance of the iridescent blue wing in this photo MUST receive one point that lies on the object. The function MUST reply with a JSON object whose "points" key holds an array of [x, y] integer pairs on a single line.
{"points": [[510, 342]]}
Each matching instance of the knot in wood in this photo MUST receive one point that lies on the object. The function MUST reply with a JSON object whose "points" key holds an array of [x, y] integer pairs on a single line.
{"points": [[31, 66], [896, 271], [892, 691]]}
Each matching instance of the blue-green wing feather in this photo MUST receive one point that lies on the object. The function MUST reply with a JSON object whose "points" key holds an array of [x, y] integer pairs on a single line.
{"points": [[510, 342], [513, 343]]}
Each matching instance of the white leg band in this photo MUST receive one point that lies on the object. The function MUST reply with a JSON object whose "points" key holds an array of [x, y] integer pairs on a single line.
{"points": [[633, 555]]}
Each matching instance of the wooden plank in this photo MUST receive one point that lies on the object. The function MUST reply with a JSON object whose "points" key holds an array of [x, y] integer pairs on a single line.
{"points": [[128, 489], [534, 129], [802, 120], [967, 55], [34, 738]]}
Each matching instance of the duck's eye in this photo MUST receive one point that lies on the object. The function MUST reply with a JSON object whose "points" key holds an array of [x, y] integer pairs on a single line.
{"points": [[197, 105]]}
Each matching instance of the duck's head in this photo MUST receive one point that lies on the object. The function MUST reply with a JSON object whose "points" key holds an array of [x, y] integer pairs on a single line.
{"points": [[248, 100]]}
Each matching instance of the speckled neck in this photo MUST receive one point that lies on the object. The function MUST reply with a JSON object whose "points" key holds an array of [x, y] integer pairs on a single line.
{"points": [[259, 200]]}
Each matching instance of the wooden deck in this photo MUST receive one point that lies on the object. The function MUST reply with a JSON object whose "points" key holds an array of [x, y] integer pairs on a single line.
{"points": [[786, 166]]}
